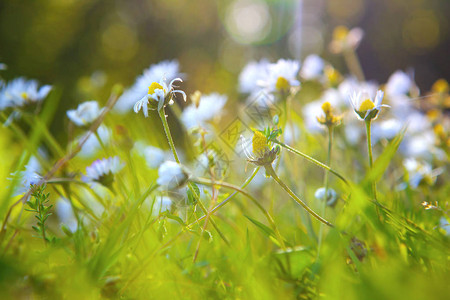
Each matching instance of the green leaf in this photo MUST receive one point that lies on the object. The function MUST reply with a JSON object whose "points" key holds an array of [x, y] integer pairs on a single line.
{"points": [[265, 229], [381, 164], [191, 197]]}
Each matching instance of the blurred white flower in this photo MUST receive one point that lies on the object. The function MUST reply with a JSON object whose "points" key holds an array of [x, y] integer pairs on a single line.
{"points": [[92, 144], [154, 156], [420, 171], [171, 175], [252, 73], [65, 214], [85, 113], [386, 129], [168, 69], [365, 106], [159, 95], [29, 176], [103, 170], [281, 76], [161, 204], [445, 225], [312, 67], [20, 92], [331, 195], [209, 106], [291, 133], [345, 39], [399, 83]]}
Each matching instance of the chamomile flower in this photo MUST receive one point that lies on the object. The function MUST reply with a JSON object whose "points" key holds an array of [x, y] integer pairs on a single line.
{"points": [[365, 107], [281, 76], [168, 69], [208, 107], [159, 95], [21, 92], [103, 170], [262, 152], [85, 114], [172, 175]]}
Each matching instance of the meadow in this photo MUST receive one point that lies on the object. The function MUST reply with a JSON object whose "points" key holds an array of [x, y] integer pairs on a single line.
{"points": [[306, 181]]}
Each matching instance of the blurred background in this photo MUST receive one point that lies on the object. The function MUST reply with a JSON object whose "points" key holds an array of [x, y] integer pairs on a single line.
{"points": [[85, 46]]}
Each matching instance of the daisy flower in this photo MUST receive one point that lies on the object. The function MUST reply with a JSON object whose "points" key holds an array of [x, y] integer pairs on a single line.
{"points": [[85, 113], [281, 76], [262, 154], [168, 69], [159, 95], [103, 170], [172, 175], [364, 106], [208, 107], [20, 92]]}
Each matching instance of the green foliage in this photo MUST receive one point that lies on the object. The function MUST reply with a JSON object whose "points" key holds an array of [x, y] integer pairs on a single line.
{"points": [[41, 209]]}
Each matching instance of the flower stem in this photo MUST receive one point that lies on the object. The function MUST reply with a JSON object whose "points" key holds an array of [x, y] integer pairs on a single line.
{"points": [[270, 171], [253, 199], [325, 200], [369, 149], [353, 64], [162, 115], [315, 161]]}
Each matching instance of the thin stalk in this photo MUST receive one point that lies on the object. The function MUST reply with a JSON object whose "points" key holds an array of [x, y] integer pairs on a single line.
{"points": [[228, 199], [253, 199], [353, 64], [324, 204], [271, 172], [162, 115], [369, 149], [315, 161]]}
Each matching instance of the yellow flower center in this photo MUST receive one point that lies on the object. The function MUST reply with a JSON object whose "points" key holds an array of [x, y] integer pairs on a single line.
{"points": [[326, 107], [366, 105], [24, 95], [153, 87], [340, 33], [440, 86], [282, 84], [332, 74], [259, 143]]}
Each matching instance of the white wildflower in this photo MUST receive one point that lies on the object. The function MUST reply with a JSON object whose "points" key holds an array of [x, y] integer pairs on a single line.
{"points": [[159, 95], [209, 106], [85, 114], [103, 170], [168, 69], [365, 106], [281, 76], [20, 92]]}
